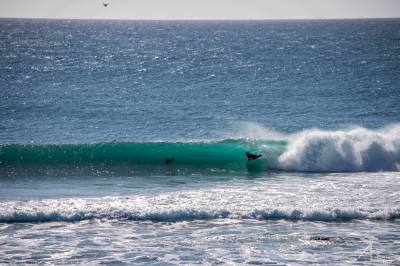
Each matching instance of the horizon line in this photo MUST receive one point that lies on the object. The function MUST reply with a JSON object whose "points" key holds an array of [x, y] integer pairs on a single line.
{"points": [[217, 19]]}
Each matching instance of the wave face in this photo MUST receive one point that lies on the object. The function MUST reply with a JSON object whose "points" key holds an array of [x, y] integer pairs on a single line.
{"points": [[146, 156], [313, 150]]}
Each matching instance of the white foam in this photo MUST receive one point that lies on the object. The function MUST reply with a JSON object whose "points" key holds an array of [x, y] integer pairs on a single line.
{"points": [[334, 197], [355, 149], [326, 215]]}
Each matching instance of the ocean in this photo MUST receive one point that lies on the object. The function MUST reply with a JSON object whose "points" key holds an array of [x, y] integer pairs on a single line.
{"points": [[124, 142]]}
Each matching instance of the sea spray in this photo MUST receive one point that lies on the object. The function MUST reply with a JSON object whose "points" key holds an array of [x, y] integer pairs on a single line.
{"points": [[351, 150]]}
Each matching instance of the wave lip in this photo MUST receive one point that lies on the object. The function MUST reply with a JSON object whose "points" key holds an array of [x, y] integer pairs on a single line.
{"points": [[352, 150]]}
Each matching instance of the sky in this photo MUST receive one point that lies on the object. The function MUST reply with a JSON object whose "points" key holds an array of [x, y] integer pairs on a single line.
{"points": [[200, 9]]}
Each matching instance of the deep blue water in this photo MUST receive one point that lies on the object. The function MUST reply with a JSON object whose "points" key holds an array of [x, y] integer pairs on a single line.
{"points": [[85, 81], [91, 110]]}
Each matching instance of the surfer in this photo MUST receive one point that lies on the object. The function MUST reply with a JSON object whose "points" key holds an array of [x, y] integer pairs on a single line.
{"points": [[251, 156], [169, 160]]}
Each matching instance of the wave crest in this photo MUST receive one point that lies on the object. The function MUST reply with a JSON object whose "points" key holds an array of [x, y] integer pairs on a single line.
{"points": [[325, 215], [354, 150]]}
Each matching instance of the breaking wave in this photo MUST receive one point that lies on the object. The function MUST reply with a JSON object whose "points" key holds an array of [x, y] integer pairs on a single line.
{"points": [[351, 150], [325, 215], [313, 150]]}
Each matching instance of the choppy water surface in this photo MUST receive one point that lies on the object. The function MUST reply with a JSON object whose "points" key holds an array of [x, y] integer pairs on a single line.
{"points": [[90, 111]]}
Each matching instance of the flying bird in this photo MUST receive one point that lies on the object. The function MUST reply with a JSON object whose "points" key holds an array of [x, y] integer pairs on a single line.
{"points": [[106, 4]]}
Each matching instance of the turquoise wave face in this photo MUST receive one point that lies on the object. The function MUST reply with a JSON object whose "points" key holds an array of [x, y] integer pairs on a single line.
{"points": [[225, 155]]}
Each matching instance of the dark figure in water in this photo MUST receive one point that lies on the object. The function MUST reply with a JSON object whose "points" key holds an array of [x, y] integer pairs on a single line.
{"points": [[251, 157], [169, 160]]}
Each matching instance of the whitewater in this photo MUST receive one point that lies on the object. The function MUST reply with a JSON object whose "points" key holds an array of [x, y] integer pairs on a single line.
{"points": [[235, 201], [155, 216]]}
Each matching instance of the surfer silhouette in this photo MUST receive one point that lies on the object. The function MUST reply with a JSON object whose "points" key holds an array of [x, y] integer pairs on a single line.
{"points": [[169, 160], [251, 156]]}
